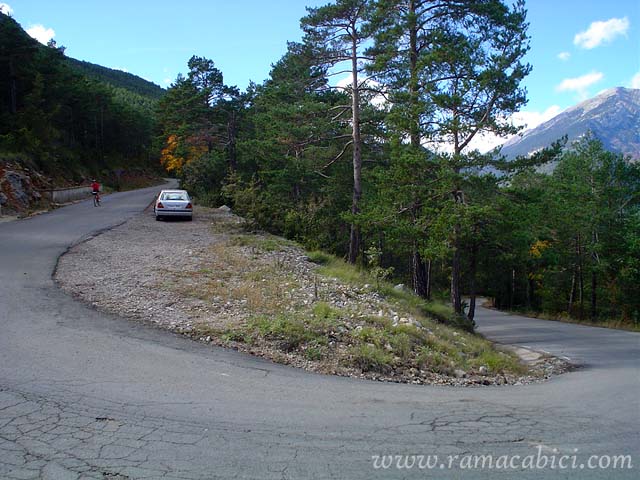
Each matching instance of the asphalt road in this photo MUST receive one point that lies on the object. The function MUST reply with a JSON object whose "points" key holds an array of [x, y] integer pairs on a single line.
{"points": [[88, 395]]}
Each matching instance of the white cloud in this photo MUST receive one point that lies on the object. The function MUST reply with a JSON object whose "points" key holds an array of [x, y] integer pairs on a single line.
{"points": [[344, 83], [635, 81], [564, 56], [167, 81], [533, 119], [41, 33], [601, 32], [580, 84], [6, 9], [527, 120]]}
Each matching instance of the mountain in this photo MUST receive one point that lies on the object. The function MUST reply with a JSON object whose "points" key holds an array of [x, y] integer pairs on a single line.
{"points": [[67, 119], [613, 117], [12, 34], [118, 78]]}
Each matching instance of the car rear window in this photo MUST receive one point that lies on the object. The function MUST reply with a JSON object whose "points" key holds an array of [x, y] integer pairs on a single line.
{"points": [[174, 196]]}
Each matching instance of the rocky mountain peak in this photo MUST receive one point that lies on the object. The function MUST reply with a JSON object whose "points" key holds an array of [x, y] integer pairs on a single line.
{"points": [[613, 116]]}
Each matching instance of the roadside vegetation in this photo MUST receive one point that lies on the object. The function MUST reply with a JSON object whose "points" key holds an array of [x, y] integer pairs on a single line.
{"points": [[63, 122], [371, 166], [381, 172], [317, 311]]}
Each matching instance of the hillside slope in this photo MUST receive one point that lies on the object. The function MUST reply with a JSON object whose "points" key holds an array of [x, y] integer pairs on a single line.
{"points": [[63, 121], [118, 78], [613, 117]]}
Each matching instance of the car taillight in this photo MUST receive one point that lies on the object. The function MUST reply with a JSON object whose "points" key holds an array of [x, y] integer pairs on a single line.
{"points": [[189, 205], [159, 205]]}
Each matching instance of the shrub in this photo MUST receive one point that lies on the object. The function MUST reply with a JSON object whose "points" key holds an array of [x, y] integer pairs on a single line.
{"points": [[370, 358]]}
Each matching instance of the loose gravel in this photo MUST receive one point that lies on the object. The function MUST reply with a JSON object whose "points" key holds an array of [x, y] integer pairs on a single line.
{"points": [[209, 278]]}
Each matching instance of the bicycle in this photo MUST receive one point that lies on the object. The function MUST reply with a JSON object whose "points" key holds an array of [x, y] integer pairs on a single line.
{"points": [[96, 199]]}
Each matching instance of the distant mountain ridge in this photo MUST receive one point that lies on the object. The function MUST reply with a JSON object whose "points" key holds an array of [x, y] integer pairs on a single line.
{"points": [[613, 117], [118, 78], [115, 78]]}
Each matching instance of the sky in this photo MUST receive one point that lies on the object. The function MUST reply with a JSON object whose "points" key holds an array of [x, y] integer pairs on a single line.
{"points": [[579, 48]]}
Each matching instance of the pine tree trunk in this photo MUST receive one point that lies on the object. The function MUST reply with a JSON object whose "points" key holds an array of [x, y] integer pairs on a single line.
{"points": [[13, 89], [354, 237], [456, 296], [512, 289], [580, 280], [572, 293], [419, 274], [594, 284], [232, 133], [428, 296], [594, 279], [472, 282]]}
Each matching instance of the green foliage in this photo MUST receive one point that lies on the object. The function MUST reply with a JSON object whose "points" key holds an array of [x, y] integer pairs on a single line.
{"points": [[370, 358], [374, 255], [567, 241], [290, 331], [70, 124], [123, 81]]}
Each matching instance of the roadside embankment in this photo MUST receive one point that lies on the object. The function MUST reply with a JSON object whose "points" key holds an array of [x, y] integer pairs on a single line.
{"points": [[213, 281]]}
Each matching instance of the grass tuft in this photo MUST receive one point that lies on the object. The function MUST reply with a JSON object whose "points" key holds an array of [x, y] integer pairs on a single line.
{"points": [[370, 358]]}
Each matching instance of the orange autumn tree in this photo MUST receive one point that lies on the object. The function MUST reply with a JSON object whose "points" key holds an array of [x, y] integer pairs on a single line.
{"points": [[192, 116], [169, 158], [179, 152]]}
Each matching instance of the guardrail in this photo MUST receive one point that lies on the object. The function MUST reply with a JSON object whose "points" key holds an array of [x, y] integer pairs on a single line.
{"points": [[64, 195]]}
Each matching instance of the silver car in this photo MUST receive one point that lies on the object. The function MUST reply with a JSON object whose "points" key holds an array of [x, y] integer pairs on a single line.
{"points": [[173, 203]]}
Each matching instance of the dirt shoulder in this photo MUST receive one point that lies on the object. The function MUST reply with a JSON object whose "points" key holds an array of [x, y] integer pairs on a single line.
{"points": [[211, 280]]}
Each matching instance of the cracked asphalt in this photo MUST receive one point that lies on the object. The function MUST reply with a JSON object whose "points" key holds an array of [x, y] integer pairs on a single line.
{"points": [[85, 395]]}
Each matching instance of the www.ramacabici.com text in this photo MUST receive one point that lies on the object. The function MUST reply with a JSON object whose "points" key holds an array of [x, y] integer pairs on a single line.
{"points": [[540, 459]]}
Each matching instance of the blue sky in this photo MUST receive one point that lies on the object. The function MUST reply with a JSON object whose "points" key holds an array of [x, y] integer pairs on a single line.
{"points": [[578, 47]]}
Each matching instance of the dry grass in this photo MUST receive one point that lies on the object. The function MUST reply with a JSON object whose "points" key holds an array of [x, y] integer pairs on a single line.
{"points": [[245, 271]]}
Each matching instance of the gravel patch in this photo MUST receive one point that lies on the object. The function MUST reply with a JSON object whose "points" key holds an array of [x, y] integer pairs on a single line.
{"points": [[211, 280]]}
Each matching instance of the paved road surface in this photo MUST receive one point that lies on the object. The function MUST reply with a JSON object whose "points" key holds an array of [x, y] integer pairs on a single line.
{"points": [[88, 395]]}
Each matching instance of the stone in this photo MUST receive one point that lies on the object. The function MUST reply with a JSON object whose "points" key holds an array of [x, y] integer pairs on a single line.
{"points": [[483, 370], [20, 186], [459, 373]]}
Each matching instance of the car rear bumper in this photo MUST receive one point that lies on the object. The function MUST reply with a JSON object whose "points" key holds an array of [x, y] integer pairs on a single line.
{"points": [[174, 213]]}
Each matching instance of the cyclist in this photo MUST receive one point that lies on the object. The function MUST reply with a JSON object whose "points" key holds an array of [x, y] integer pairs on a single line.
{"points": [[95, 191]]}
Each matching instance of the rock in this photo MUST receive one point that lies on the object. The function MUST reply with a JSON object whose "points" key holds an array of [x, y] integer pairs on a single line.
{"points": [[224, 209], [400, 287], [459, 373], [483, 370], [18, 186]]}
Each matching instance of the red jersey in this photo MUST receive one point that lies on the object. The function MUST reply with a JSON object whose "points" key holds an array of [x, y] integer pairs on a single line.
{"points": [[95, 186]]}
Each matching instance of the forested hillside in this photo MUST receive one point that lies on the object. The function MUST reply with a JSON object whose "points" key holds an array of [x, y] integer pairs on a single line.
{"points": [[118, 78], [381, 172], [69, 125]]}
